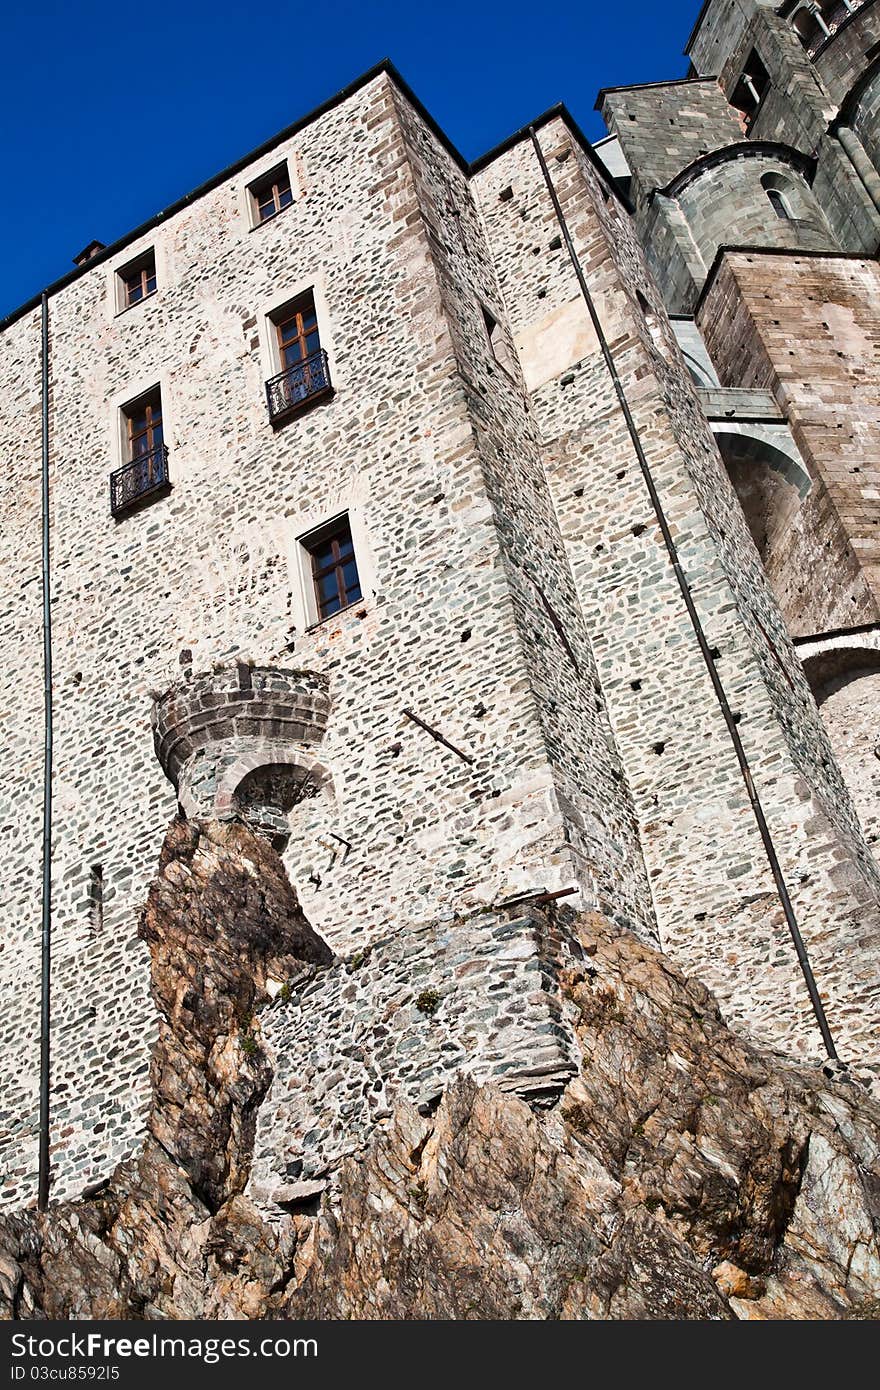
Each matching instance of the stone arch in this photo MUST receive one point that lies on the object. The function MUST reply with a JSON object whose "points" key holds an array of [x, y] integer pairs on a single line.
{"points": [[291, 797], [769, 482], [845, 681], [775, 493], [265, 785]]}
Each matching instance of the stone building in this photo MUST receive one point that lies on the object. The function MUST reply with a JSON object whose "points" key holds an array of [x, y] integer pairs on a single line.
{"points": [[365, 529]]}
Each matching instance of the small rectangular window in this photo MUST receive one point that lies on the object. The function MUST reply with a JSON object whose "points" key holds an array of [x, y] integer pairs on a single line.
{"points": [[137, 281], [271, 193], [304, 374], [334, 567], [144, 425], [144, 472]]}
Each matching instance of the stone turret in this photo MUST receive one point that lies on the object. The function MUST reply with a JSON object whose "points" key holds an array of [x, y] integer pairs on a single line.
{"points": [[240, 742]]}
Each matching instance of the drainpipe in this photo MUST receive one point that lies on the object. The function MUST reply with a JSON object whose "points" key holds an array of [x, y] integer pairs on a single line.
{"points": [[858, 158], [45, 968], [672, 550]]}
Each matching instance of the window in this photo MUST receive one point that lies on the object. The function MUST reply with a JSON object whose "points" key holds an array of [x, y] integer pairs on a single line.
{"points": [[749, 91], [334, 567], [271, 193], [138, 280], [296, 329], [145, 470], [304, 376], [144, 425], [778, 190]]}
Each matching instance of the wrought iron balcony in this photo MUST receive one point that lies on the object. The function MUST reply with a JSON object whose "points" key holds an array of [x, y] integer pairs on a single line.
{"points": [[300, 385], [144, 477]]}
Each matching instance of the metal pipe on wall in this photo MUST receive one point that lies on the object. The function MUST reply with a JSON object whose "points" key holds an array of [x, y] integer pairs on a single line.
{"points": [[46, 933], [684, 587]]}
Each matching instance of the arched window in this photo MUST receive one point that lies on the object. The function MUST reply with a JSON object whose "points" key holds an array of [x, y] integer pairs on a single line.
{"points": [[779, 191], [778, 203]]}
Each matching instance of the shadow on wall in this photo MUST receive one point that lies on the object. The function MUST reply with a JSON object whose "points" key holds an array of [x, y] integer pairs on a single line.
{"points": [[770, 486], [845, 682]]}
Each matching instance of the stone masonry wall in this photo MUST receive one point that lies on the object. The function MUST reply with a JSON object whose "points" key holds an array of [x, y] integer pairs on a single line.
{"points": [[664, 126], [476, 993], [402, 827], [710, 881], [22, 741], [813, 343], [555, 650], [797, 531]]}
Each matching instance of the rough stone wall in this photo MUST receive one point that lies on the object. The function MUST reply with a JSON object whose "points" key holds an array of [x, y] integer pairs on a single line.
{"points": [[841, 59], [21, 733], [813, 343], [795, 105], [207, 575], [726, 202], [708, 871], [479, 994], [720, 29], [796, 528], [866, 117], [663, 127], [844, 676], [672, 254], [555, 651], [845, 200]]}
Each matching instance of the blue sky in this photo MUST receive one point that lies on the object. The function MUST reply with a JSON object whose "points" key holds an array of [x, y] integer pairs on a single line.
{"points": [[112, 111]]}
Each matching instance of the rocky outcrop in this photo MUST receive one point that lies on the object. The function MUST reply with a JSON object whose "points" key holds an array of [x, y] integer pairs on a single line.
{"points": [[682, 1174]]}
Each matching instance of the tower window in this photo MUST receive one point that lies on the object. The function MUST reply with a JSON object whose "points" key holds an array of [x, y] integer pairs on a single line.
{"points": [[270, 194], [296, 331], [777, 202], [137, 280], [334, 567], [753, 83], [777, 188]]}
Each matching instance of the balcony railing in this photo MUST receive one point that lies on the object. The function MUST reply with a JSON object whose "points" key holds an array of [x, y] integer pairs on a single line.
{"points": [[300, 385], [142, 478]]}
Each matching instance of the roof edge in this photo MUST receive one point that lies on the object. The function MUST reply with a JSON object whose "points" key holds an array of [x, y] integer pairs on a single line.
{"points": [[696, 29], [738, 149], [384, 66], [637, 86], [793, 252]]}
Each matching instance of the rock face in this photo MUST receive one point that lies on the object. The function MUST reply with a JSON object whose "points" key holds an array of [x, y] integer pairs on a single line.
{"points": [[682, 1174]]}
